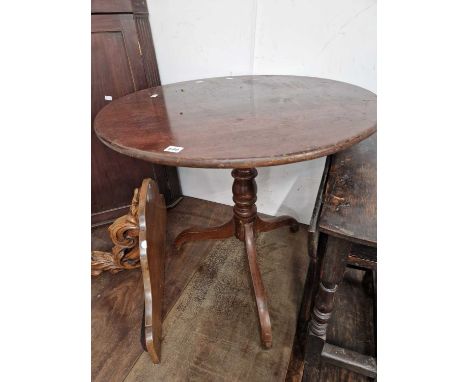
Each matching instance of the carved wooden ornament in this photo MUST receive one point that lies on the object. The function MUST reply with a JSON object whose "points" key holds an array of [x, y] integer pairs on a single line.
{"points": [[124, 234]]}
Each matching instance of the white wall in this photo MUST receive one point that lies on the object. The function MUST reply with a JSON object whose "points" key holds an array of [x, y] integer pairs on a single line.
{"points": [[209, 38], [324, 38], [202, 38]]}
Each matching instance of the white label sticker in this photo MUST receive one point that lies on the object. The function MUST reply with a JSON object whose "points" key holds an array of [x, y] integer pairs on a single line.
{"points": [[108, 98], [173, 149], [199, 81], [154, 96], [229, 78]]}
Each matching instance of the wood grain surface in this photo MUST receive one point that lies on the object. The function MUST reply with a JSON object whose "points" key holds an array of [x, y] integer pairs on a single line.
{"points": [[239, 122], [211, 333], [245, 225], [351, 326], [116, 70], [349, 208], [122, 61], [152, 248], [117, 303]]}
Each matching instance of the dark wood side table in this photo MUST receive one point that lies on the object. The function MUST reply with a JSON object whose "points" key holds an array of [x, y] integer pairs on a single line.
{"points": [[240, 123], [343, 231]]}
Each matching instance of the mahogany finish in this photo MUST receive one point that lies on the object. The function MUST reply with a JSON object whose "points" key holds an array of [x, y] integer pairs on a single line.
{"points": [[152, 242], [122, 61], [119, 6], [202, 233], [111, 6], [239, 122], [245, 225], [258, 287], [116, 70]]}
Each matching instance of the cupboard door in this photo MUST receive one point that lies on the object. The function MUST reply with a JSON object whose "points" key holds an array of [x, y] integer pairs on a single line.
{"points": [[117, 70], [113, 6]]}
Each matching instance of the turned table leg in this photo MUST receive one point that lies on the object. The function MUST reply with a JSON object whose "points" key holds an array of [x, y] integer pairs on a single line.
{"points": [[199, 233], [244, 191], [269, 224], [245, 225], [259, 289], [332, 271]]}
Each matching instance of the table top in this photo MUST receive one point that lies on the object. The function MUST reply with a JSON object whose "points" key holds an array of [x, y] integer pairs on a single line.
{"points": [[238, 122]]}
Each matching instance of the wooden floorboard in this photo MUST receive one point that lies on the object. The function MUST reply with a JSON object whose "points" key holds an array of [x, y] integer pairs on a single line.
{"points": [[117, 308], [212, 332], [181, 266]]}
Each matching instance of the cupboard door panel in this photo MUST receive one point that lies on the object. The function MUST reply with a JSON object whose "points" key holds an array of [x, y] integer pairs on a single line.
{"points": [[116, 70], [111, 6]]}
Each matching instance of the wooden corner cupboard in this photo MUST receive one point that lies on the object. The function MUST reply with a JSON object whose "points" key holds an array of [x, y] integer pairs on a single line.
{"points": [[122, 61]]}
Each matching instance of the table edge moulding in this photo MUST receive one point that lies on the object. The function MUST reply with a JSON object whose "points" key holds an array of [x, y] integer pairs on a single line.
{"points": [[188, 125]]}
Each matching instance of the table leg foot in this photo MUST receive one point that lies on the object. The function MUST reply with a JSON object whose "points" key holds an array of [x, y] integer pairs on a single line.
{"points": [[259, 289], [269, 224], [198, 233]]}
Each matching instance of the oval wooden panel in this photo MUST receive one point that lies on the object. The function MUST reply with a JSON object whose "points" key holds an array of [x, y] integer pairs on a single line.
{"points": [[239, 122]]}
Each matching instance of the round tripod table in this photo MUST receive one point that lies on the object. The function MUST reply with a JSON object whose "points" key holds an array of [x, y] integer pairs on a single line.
{"points": [[241, 123]]}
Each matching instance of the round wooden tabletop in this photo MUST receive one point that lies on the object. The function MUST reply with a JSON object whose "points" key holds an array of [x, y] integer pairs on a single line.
{"points": [[238, 122]]}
